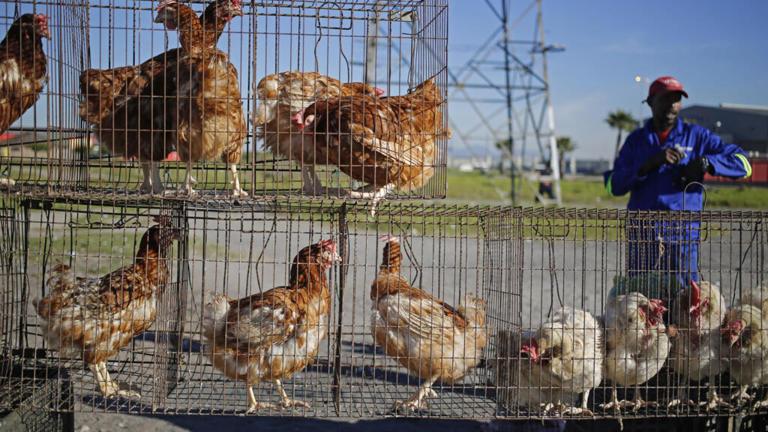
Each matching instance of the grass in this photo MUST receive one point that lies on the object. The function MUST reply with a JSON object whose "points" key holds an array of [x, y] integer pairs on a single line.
{"points": [[494, 188]]}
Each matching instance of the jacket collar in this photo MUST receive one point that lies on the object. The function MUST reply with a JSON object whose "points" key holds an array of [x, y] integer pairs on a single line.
{"points": [[677, 129]]}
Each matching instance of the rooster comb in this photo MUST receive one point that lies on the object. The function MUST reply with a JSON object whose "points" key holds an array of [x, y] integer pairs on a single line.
{"points": [[166, 3]]}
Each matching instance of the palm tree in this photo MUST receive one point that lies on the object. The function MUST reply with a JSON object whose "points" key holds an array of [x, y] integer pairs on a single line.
{"points": [[565, 145], [622, 121]]}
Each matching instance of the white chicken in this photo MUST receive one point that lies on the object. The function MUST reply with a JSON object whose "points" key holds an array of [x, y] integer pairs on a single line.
{"points": [[745, 331], [637, 345], [562, 359], [697, 351]]}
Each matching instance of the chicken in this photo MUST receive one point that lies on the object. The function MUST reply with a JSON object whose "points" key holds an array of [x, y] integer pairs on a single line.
{"points": [[122, 100], [560, 360], [105, 89], [210, 116], [282, 97], [23, 69], [424, 334], [697, 351], [271, 335], [388, 143], [94, 317], [745, 333], [637, 344]]}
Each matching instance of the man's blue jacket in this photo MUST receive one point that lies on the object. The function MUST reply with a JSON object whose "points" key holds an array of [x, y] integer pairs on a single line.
{"points": [[661, 190], [670, 246]]}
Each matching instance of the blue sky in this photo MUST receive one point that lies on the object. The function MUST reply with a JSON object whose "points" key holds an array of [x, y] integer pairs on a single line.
{"points": [[718, 49]]}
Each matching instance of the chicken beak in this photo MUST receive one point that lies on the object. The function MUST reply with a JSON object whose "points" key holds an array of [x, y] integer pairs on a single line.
{"points": [[379, 91]]}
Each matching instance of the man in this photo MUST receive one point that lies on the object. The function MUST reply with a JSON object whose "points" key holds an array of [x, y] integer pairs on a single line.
{"points": [[662, 165]]}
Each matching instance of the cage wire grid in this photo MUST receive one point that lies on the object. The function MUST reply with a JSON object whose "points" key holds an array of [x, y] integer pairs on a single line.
{"points": [[522, 262], [393, 45]]}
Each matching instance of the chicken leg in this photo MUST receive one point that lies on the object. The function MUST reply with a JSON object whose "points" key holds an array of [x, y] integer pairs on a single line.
{"points": [[638, 402], [107, 386], [254, 405], [582, 410], [237, 191], [152, 184], [375, 196], [312, 186], [188, 182], [682, 398], [287, 402], [714, 401], [742, 396], [614, 404], [418, 400]]}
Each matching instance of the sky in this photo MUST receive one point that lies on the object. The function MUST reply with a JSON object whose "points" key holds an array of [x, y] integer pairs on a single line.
{"points": [[717, 49]]}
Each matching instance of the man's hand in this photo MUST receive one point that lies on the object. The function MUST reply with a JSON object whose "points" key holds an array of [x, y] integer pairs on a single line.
{"points": [[694, 171], [668, 156]]}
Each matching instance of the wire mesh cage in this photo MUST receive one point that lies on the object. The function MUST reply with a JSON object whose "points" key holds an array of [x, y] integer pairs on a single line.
{"points": [[130, 109], [434, 311], [607, 298], [62, 318]]}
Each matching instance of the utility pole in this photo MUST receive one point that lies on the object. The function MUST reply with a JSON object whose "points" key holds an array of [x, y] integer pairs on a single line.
{"points": [[554, 154], [510, 112]]}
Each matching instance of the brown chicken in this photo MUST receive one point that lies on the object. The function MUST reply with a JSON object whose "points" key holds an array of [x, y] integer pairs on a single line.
{"points": [[283, 96], [23, 72], [424, 334], [23, 67], [388, 143], [211, 123], [271, 335], [94, 317], [120, 100]]}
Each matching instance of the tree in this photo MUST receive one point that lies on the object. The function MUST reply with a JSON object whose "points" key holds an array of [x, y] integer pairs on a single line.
{"points": [[622, 121], [565, 145]]}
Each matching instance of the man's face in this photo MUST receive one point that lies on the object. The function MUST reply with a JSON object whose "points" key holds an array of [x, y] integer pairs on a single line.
{"points": [[665, 108]]}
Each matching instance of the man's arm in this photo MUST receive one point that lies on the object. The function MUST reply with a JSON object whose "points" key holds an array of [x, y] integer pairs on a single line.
{"points": [[727, 160], [624, 176]]}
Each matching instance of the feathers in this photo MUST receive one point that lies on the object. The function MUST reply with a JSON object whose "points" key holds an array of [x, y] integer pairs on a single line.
{"points": [[381, 141], [23, 67], [95, 317], [424, 334], [568, 360], [276, 333], [636, 341]]}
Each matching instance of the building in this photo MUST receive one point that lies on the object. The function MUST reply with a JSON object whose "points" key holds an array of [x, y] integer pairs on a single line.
{"points": [[745, 125]]}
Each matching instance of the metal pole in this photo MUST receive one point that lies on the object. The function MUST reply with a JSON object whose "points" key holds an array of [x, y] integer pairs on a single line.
{"points": [[554, 157], [508, 93]]}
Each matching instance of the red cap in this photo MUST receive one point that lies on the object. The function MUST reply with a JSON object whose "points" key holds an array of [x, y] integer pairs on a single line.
{"points": [[665, 84]]}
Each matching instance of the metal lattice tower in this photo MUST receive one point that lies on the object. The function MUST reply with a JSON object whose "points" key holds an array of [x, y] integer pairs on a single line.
{"points": [[501, 93]]}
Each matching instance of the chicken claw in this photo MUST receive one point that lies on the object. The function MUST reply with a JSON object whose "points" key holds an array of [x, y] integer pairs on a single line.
{"points": [[418, 401], [714, 401], [742, 396], [254, 405], [285, 401], [110, 388], [614, 404]]}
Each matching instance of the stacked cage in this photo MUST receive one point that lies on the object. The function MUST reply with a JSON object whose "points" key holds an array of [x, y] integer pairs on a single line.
{"points": [[158, 257], [125, 106]]}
